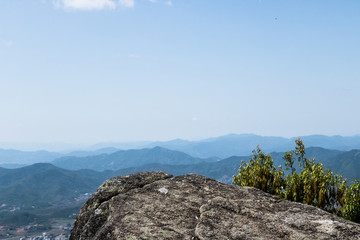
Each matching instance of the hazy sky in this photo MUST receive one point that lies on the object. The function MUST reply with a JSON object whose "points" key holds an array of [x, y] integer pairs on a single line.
{"points": [[87, 71]]}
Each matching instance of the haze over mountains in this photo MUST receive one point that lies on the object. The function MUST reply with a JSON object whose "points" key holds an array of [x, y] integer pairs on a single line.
{"points": [[45, 185], [219, 147], [178, 162], [243, 144], [128, 158], [64, 180]]}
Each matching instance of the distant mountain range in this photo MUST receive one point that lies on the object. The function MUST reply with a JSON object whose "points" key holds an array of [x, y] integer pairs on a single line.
{"points": [[346, 164], [45, 184], [10, 158], [129, 158], [219, 147], [44, 191], [243, 144]]}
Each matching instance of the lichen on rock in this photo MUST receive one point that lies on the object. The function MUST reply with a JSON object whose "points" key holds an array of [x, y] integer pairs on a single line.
{"points": [[156, 205]]}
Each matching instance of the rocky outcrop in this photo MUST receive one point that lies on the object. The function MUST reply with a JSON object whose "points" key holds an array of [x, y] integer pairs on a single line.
{"points": [[155, 205]]}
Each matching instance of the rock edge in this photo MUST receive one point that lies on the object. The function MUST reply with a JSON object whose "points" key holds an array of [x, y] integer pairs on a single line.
{"points": [[156, 205]]}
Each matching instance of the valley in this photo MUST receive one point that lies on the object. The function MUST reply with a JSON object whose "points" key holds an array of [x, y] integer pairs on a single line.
{"points": [[34, 198]]}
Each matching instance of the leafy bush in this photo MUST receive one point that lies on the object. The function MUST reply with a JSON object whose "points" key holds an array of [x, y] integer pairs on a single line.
{"points": [[352, 202], [260, 173], [312, 184]]}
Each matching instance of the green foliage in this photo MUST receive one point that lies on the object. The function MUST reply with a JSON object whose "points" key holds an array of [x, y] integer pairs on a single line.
{"points": [[311, 184], [352, 202], [260, 173]]}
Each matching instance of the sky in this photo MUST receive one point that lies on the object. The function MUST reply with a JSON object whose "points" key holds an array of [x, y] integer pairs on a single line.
{"points": [[89, 71]]}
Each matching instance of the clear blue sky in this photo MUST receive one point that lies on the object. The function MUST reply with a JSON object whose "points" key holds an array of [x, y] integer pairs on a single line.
{"points": [[87, 71]]}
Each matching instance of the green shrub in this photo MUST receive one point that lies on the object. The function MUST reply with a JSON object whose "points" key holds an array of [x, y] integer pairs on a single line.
{"points": [[312, 184], [352, 202], [260, 173]]}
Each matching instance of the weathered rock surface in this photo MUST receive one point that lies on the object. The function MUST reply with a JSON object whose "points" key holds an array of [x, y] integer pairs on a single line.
{"points": [[155, 205]]}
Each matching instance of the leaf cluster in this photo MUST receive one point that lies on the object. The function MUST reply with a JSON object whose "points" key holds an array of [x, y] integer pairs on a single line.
{"points": [[260, 173], [352, 202]]}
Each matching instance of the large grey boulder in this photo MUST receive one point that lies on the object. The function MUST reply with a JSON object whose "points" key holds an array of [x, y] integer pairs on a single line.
{"points": [[155, 205]]}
